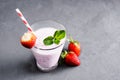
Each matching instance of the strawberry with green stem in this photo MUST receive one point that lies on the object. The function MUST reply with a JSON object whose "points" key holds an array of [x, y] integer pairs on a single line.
{"points": [[74, 46], [70, 58]]}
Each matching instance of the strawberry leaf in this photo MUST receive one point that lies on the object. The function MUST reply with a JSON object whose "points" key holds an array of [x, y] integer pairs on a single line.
{"points": [[63, 54]]}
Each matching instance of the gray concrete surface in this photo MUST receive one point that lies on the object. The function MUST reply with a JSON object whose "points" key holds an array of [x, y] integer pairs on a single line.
{"points": [[94, 23]]}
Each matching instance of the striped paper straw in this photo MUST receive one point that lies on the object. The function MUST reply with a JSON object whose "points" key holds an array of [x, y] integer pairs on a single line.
{"points": [[23, 19]]}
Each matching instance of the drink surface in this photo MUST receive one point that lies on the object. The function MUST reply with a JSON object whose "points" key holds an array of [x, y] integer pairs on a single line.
{"points": [[42, 34]]}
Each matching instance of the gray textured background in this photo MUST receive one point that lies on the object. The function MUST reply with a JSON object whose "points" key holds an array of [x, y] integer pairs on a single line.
{"points": [[95, 23]]}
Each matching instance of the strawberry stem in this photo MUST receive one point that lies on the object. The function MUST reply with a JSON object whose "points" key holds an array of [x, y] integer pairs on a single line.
{"points": [[63, 54], [71, 39]]}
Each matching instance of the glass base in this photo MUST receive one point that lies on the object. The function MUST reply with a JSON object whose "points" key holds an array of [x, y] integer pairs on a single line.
{"points": [[46, 69]]}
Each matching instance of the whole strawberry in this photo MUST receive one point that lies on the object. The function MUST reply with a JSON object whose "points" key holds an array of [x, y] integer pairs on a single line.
{"points": [[71, 58], [74, 46]]}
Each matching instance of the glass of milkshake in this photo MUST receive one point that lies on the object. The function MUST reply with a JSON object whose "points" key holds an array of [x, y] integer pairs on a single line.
{"points": [[47, 56]]}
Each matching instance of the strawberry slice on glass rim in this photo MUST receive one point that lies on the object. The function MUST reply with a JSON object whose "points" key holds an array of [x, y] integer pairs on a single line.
{"points": [[28, 40]]}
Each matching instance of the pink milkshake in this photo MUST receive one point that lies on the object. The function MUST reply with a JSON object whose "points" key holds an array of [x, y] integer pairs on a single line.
{"points": [[47, 56]]}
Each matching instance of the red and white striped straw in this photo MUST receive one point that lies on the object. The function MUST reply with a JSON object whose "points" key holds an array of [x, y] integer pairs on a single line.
{"points": [[23, 19]]}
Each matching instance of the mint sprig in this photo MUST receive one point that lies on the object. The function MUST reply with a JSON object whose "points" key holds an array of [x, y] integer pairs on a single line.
{"points": [[56, 38]]}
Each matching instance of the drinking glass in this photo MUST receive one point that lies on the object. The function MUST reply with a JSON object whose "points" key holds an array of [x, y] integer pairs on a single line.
{"points": [[47, 56]]}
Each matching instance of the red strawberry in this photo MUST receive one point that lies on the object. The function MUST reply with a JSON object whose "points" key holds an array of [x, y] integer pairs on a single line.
{"points": [[28, 40], [74, 46], [70, 58]]}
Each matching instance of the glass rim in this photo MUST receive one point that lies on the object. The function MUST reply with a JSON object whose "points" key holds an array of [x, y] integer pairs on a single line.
{"points": [[37, 22]]}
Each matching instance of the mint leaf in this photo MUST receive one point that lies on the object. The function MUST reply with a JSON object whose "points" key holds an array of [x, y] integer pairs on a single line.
{"points": [[48, 40], [56, 41], [59, 34]]}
